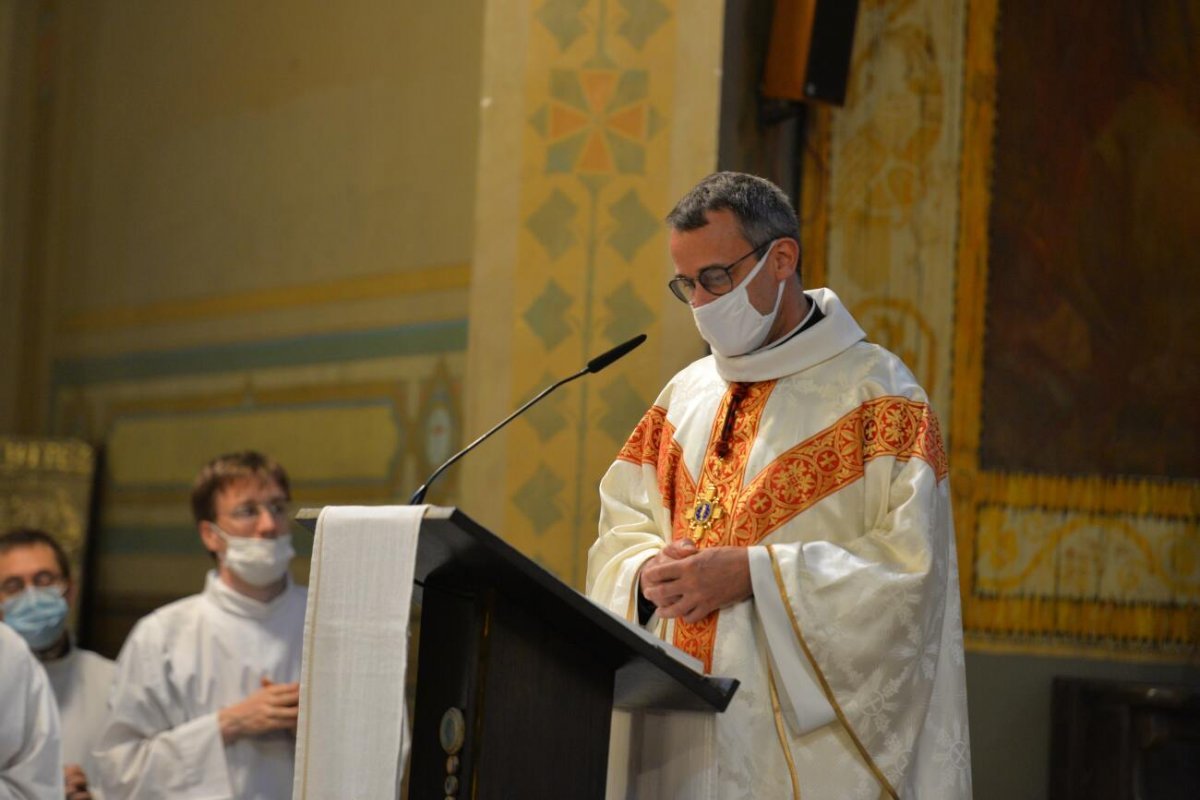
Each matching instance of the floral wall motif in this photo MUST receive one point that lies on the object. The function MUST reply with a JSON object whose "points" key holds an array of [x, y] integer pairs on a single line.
{"points": [[1054, 557], [597, 96]]}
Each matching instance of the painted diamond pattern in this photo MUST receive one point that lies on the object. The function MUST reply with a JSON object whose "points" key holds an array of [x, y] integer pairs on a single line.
{"points": [[563, 19], [635, 225], [597, 122], [537, 499], [632, 85], [540, 120], [628, 315], [547, 417], [547, 315], [643, 18], [551, 224], [624, 407]]}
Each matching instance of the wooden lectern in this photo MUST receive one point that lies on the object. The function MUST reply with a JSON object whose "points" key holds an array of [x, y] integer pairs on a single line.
{"points": [[518, 673]]}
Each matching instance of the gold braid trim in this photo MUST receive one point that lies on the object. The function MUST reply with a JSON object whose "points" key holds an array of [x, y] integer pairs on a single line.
{"points": [[783, 742], [837, 709]]}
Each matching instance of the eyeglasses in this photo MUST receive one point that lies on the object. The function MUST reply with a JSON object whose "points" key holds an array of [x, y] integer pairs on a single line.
{"points": [[715, 280], [42, 580], [248, 512]]}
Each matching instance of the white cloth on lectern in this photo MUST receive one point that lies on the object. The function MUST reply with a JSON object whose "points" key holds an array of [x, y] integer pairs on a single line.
{"points": [[351, 740]]}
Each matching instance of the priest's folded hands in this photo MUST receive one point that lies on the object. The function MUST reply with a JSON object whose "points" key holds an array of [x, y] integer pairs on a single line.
{"points": [[685, 581]]}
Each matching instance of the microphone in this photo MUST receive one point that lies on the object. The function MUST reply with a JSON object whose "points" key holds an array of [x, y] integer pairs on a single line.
{"points": [[620, 351], [595, 365]]}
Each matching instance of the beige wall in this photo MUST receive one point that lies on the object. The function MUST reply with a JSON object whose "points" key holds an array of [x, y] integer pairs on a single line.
{"points": [[228, 225], [211, 150], [17, 32]]}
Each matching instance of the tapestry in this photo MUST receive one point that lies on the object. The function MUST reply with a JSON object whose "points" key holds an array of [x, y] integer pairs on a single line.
{"points": [[1076, 467]]}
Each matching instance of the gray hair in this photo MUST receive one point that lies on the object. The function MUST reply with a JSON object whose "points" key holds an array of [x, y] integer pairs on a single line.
{"points": [[763, 211]]}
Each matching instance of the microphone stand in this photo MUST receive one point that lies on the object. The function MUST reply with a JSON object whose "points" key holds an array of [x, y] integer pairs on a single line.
{"points": [[595, 365]]}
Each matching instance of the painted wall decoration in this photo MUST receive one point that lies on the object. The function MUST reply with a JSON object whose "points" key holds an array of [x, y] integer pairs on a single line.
{"points": [[1075, 422], [1010, 215], [584, 123], [893, 172], [356, 417]]}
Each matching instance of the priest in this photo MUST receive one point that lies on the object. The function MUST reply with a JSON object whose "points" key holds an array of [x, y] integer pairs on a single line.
{"points": [[782, 513]]}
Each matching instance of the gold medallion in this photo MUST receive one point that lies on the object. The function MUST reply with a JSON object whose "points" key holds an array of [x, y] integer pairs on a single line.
{"points": [[705, 512]]}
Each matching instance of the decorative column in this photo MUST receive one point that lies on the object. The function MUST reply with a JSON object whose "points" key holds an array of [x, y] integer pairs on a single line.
{"points": [[597, 116]]}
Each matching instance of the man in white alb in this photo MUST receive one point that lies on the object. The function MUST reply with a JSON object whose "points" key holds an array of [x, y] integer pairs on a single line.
{"points": [[206, 696], [782, 513], [36, 591], [30, 747]]}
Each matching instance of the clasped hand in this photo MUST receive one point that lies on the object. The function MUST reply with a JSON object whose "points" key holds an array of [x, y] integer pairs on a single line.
{"points": [[75, 782], [274, 707], [686, 582]]}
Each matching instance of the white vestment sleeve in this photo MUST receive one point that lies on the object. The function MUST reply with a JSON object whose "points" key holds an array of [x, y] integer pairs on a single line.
{"points": [[146, 751], [805, 706], [631, 523], [868, 611], [30, 740]]}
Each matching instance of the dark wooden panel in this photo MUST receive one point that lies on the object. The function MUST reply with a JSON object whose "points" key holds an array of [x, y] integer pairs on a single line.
{"points": [[1124, 741], [547, 707]]}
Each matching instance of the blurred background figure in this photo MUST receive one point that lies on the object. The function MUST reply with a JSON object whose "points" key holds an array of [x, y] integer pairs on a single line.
{"points": [[30, 746], [36, 592]]}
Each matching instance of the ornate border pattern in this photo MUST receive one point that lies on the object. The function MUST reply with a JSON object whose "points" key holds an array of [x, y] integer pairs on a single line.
{"points": [[807, 473], [994, 510]]}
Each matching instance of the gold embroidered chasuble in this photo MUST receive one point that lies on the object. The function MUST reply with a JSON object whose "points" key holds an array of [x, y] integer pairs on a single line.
{"points": [[827, 462]]}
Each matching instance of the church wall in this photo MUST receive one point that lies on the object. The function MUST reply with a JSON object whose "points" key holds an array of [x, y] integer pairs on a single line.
{"points": [[17, 34], [257, 233], [596, 117]]}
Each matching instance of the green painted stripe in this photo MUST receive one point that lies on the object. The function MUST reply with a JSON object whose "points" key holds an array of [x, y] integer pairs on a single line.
{"points": [[425, 338], [171, 540]]}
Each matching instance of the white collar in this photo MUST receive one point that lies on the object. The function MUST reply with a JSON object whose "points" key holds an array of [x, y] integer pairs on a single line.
{"points": [[227, 598], [832, 335]]}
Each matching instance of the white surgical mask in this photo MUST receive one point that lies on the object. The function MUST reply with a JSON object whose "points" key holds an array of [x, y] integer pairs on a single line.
{"points": [[731, 324], [259, 562]]}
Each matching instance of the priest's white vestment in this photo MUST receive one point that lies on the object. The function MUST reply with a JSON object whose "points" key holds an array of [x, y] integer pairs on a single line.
{"points": [[850, 651], [178, 668]]}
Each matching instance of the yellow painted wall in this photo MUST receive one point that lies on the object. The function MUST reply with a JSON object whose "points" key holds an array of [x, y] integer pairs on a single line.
{"points": [[253, 229], [597, 116]]}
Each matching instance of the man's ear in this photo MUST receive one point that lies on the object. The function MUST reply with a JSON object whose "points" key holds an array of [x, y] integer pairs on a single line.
{"points": [[785, 258], [209, 536]]}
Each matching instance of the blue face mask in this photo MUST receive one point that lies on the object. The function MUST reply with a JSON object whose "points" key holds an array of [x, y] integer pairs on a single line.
{"points": [[39, 614]]}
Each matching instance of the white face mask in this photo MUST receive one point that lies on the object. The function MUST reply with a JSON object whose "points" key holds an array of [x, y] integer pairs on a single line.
{"points": [[731, 325], [259, 562]]}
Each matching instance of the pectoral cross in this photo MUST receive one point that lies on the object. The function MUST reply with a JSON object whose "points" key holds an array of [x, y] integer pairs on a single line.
{"points": [[705, 512]]}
